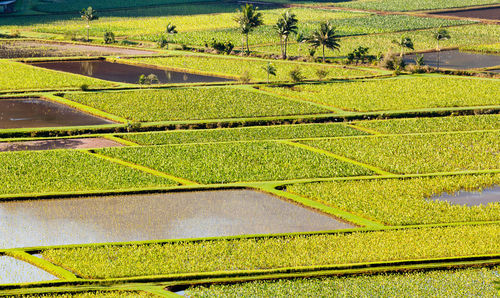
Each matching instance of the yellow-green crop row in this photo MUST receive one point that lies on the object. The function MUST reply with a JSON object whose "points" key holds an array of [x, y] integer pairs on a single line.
{"points": [[233, 162], [407, 5], [91, 294], [410, 92], [474, 282], [65, 170], [291, 251], [435, 124], [405, 201], [493, 48], [420, 153], [193, 104]]}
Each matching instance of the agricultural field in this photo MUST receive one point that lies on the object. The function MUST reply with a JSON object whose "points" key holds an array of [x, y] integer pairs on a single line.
{"points": [[171, 148]]}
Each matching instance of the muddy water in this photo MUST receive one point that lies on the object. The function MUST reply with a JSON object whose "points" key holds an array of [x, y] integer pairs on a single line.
{"points": [[32, 112], [454, 59], [78, 143], [118, 72], [154, 216], [489, 195], [482, 13], [15, 271]]}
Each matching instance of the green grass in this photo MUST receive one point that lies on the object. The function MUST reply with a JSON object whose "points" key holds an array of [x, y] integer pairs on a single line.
{"points": [[436, 124], [254, 67], [420, 153], [105, 294], [243, 134], [404, 202], [230, 255], [192, 104], [406, 5], [477, 282], [232, 162], [411, 92], [64, 170], [16, 76]]}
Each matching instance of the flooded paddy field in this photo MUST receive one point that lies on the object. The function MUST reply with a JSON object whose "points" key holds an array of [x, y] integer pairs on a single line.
{"points": [[454, 59], [16, 271], [78, 143], [154, 216], [125, 73], [489, 13], [472, 198], [34, 112]]}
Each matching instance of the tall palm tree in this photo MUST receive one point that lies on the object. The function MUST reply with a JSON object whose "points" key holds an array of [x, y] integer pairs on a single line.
{"points": [[270, 70], [88, 15], [404, 42], [440, 34], [286, 25], [300, 38], [248, 19], [170, 30], [325, 36]]}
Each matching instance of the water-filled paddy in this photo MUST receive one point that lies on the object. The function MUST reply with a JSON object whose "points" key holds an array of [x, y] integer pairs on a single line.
{"points": [[154, 216], [125, 73], [32, 112], [454, 59], [472, 198], [16, 271], [77, 143], [492, 13]]}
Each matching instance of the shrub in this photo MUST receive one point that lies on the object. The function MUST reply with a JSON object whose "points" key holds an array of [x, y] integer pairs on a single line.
{"points": [[84, 87], [296, 75], [109, 37], [222, 47], [322, 73], [245, 77], [148, 80]]}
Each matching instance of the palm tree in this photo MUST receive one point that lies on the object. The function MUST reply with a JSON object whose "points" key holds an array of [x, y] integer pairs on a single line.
{"points": [[248, 19], [325, 37], [170, 30], [300, 38], [287, 24], [88, 15], [440, 34], [404, 42], [270, 70]]}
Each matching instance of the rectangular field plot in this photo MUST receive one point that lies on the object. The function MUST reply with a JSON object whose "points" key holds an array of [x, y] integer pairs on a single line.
{"points": [[399, 94], [16, 271], [77, 143], [408, 5], [244, 134], [233, 162], [408, 201], [63, 171], [193, 104], [154, 216], [436, 124], [33, 112], [491, 13], [278, 252], [418, 154]]}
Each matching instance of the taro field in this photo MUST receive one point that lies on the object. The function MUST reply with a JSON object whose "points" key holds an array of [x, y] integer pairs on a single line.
{"points": [[173, 148]]}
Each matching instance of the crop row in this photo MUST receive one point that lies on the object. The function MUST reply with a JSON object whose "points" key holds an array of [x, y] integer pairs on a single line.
{"points": [[452, 283], [243, 254], [16, 76], [50, 171], [435, 124], [243, 134], [493, 48], [398, 94], [420, 153], [233, 162], [254, 67], [91, 294], [404, 201], [192, 104], [407, 5]]}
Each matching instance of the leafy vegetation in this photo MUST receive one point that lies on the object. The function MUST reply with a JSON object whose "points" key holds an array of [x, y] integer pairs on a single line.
{"points": [[391, 94], [192, 104], [420, 153], [404, 201], [436, 124], [230, 255], [407, 5], [232, 162], [105, 294], [484, 48], [243, 134], [64, 170], [16, 76], [451, 283]]}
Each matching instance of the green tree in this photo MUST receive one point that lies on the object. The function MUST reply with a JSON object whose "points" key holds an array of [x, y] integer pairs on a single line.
{"points": [[270, 70], [325, 37], [248, 19], [440, 34], [170, 30], [88, 15], [286, 25], [300, 38], [403, 42]]}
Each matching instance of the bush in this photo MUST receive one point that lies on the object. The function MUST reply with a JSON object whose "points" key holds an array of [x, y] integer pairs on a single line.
{"points": [[84, 87], [322, 73], [296, 75], [245, 77], [161, 41], [222, 47], [360, 54], [392, 61], [148, 80], [109, 37]]}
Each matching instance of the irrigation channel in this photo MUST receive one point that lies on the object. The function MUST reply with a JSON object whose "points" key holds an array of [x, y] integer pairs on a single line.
{"points": [[469, 198], [33, 112], [125, 73], [454, 59], [78, 143]]}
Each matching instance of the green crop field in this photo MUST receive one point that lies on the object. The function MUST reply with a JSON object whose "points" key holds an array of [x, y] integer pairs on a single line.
{"points": [[406, 5], [105, 294]]}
